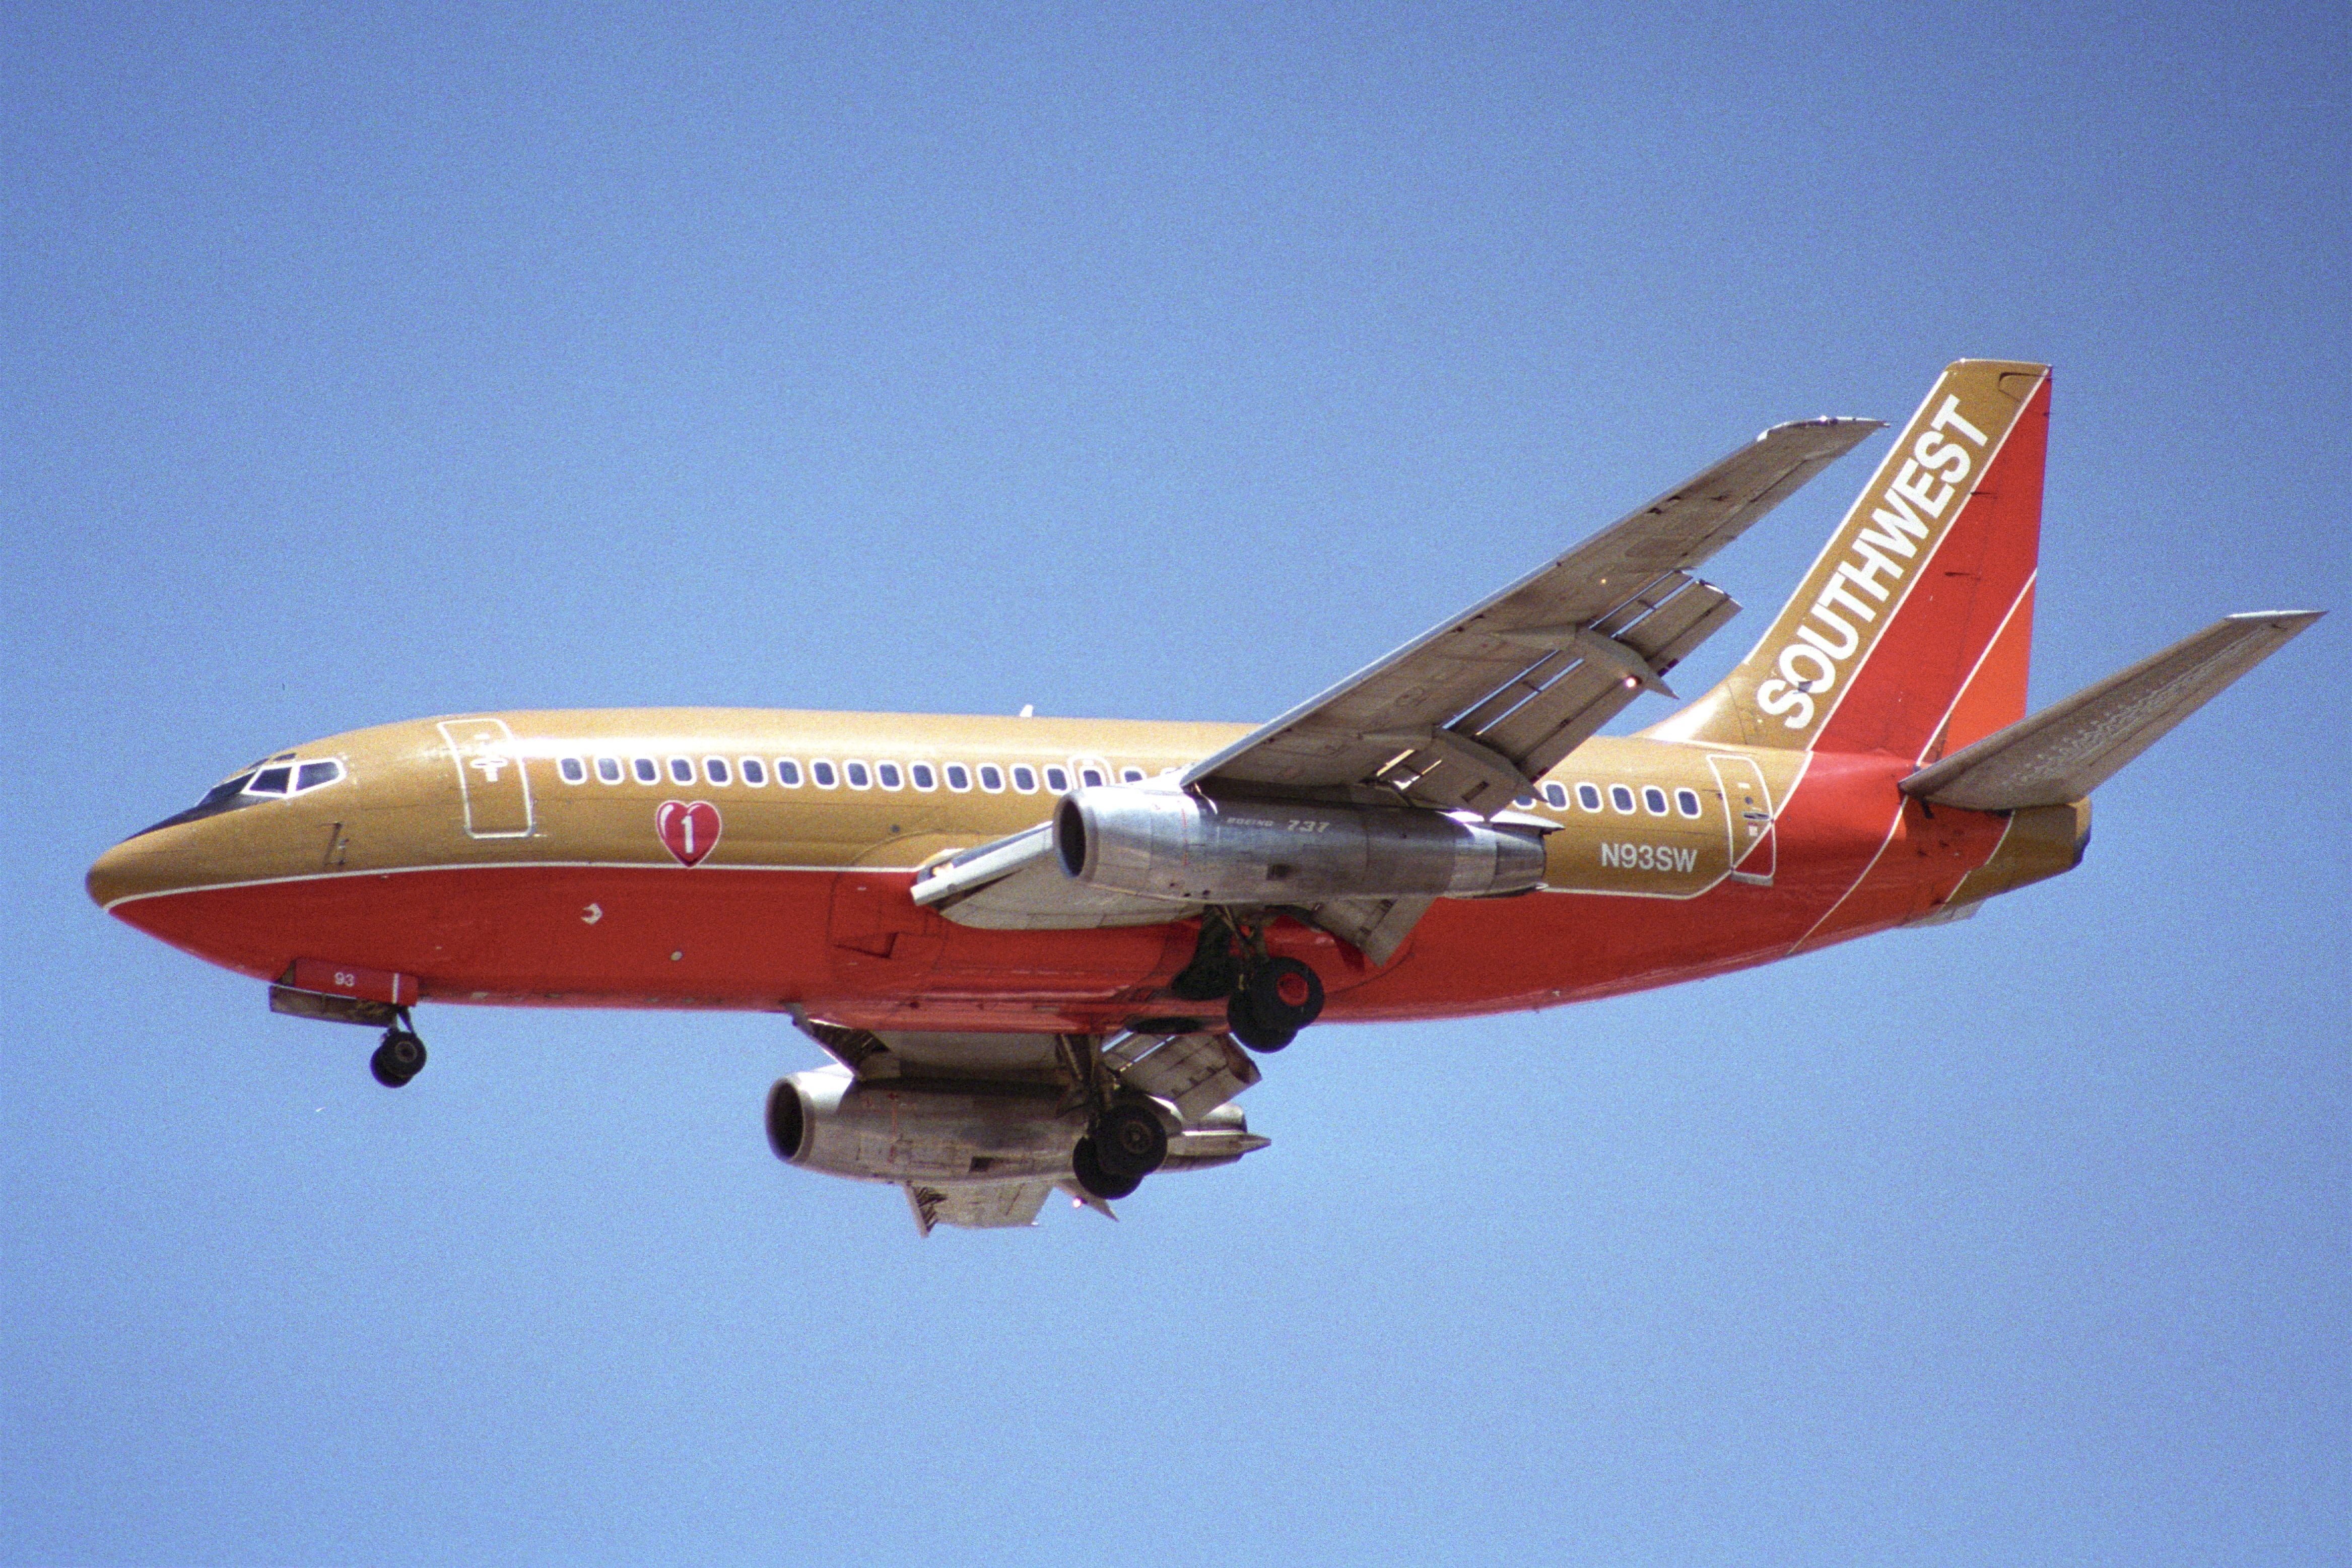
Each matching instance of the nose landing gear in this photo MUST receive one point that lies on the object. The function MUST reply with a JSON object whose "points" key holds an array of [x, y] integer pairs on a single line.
{"points": [[401, 1056]]}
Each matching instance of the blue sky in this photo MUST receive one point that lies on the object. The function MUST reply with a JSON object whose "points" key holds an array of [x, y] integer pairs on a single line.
{"points": [[382, 362]]}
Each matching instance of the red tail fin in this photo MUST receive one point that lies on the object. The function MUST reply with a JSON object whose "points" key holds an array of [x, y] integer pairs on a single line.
{"points": [[1911, 633]]}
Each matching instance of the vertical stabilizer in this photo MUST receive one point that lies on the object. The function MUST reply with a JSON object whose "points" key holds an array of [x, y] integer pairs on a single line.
{"points": [[1912, 633]]}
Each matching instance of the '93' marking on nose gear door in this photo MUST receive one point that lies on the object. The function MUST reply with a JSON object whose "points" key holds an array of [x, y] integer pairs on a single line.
{"points": [[491, 776]]}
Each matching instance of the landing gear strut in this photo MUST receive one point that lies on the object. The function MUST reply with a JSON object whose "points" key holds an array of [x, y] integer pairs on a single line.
{"points": [[401, 1056]]}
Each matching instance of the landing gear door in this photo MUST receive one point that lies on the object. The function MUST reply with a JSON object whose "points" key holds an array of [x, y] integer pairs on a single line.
{"points": [[1748, 817], [491, 776]]}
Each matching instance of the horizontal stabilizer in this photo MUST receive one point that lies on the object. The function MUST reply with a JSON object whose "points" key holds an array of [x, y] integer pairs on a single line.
{"points": [[2065, 752]]}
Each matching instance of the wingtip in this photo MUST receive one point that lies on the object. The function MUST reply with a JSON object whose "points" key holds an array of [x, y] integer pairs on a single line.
{"points": [[2290, 617], [1835, 425]]}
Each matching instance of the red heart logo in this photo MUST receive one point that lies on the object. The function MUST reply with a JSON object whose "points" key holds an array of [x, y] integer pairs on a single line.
{"points": [[689, 829]]}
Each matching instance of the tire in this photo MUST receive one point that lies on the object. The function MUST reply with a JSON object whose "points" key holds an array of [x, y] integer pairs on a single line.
{"points": [[1243, 1023], [1285, 994], [1128, 1140], [1094, 1178], [400, 1058]]}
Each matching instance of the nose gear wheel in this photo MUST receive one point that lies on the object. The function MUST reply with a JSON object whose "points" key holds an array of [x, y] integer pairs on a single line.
{"points": [[401, 1056]]}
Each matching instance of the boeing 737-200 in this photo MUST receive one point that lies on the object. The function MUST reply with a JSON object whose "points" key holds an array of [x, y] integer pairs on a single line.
{"points": [[1046, 952]]}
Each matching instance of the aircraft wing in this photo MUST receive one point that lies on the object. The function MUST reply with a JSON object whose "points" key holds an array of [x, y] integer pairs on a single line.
{"points": [[2070, 748], [1467, 714], [938, 1053], [1196, 1071]]}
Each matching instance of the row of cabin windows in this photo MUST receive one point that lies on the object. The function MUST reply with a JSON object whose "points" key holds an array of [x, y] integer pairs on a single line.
{"points": [[1621, 800], [822, 772], [826, 774]]}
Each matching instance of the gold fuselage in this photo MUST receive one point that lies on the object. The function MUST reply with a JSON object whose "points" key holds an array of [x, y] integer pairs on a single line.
{"points": [[522, 857]]}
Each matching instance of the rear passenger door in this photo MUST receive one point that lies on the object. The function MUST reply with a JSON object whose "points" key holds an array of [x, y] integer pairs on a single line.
{"points": [[1748, 810]]}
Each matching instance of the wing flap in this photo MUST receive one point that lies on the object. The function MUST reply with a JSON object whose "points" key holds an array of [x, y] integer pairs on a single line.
{"points": [[2070, 748], [1377, 926], [978, 1206], [1196, 1073]]}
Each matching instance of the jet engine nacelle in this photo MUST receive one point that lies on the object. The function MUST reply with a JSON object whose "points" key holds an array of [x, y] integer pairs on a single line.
{"points": [[1164, 844], [828, 1121]]}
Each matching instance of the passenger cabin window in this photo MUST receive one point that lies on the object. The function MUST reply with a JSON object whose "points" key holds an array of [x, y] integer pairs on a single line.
{"points": [[887, 774], [1654, 799], [608, 771], [1092, 778], [1622, 797], [1057, 779], [821, 775], [855, 776], [992, 778], [1588, 797], [646, 772], [681, 769], [1688, 800], [1523, 802], [1131, 775], [572, 770], [715, 769], [1555, 797], [959, 776], [1024, 779], [788, 773], [754, 771], [923, 775], [271, 781]]}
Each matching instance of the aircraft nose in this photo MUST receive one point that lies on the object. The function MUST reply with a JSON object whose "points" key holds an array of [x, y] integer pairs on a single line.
{"points": [[167, 858], [126, 869]]}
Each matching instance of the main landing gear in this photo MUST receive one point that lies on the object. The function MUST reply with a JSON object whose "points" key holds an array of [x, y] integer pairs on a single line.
{"points": [[1126, 1140], [401, 1056], [1267, 1000], [1125, 1143]]}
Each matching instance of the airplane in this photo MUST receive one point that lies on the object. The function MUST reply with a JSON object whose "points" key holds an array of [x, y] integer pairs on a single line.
{"points": [[1046, 953]]}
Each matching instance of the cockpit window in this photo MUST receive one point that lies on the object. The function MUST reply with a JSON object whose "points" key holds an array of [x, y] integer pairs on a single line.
{"points": [[227, 788], [273, 780]]}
